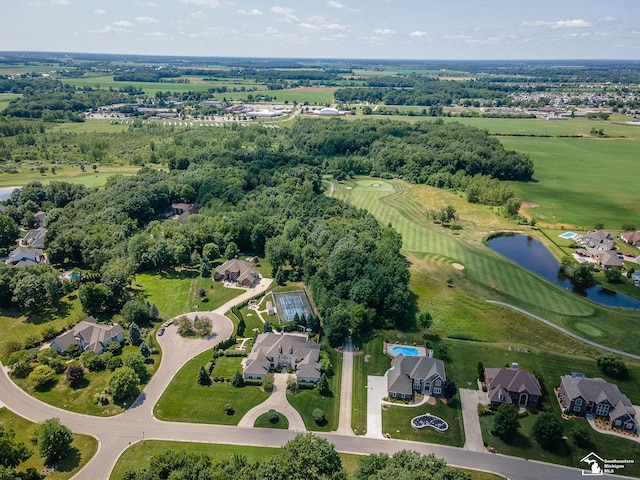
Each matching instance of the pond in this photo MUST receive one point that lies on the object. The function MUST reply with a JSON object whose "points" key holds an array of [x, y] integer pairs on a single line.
{"points": [[5, 192], [535, 257]]}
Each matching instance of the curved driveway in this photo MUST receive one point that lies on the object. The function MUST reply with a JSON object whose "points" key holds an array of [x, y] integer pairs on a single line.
{"points": [[115, 434]]}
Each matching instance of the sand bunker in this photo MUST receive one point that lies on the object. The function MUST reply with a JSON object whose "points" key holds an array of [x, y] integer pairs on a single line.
{"points": [[349, 188], [375, 184], [457, 266]]}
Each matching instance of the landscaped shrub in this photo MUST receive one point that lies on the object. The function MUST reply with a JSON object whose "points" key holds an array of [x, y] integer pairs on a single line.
{"points": [[238, 380], [228, 408], [114, 362], [101, 399], [75, 373], [613, 366], [319, 416], [273, 416], [267, 383]]}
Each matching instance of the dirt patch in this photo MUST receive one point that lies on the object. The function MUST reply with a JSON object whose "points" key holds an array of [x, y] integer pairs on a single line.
{"points": [[367, 358], [457, 266], [529, 205], [375, 184]]}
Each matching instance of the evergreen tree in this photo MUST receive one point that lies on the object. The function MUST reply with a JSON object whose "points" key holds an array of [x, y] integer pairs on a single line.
{"points": [[154, 314], [323, 385], [205, 268], [134, 334], [203, 377], [144, 350], [238, 380]]}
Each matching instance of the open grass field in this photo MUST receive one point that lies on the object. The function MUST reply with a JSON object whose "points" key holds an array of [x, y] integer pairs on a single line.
{"points": [[580, 182], [169, 292], [16, 326], [305, 401], [315, 96], [566, 453], [486, 275], [66, 174], [6, 98], [82, 449], [396, 421], [186, 401]]}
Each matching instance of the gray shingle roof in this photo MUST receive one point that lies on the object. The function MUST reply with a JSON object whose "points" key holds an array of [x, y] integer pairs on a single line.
{"points": [[505, 380], [272, 348], [405, 369], [597, 390]]}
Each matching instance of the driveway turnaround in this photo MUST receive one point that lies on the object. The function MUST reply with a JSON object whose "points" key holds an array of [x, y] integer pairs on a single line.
{"points": [[276, 401], [472, 432]]}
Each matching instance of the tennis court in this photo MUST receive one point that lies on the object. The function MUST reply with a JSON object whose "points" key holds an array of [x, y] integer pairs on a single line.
{"points": [[290, 303]]}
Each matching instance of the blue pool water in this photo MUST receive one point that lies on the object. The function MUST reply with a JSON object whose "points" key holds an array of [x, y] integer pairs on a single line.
{"points": [[406, 351], [567, 235]]}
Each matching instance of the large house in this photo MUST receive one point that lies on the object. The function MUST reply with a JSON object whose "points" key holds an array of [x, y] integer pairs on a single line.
{"points": [[632, 238], [235, 270], [512, 385], [580, 395], [605, 258], [34, 238], [88, 335], [415, 374], [600, 239], [182, 211], [272, 350], [25, 256]]}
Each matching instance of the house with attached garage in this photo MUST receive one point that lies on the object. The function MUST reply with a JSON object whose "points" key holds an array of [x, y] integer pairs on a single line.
{"points": [[580, 395], [89, 335], [605, 258], [410, 374], [632, 238], [512, 385], [26, 256], [288, 351], [235, 270], [600, 239]]}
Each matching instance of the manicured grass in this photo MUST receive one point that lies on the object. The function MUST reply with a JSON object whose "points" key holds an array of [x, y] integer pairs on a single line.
{"points": [[6, 98], [226, 367], [263, 422], [396, 421], [16, 326], [215, 294], [69, 174], [186, 401], [576, 179], [315, 96], [369, 361], [138, 456], [168, 291], [79, 399], [82, 449], [566, 453], [486, 274], [305, 401]]}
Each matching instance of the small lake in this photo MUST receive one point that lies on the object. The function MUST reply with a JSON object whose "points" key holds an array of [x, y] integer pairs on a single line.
{"points": [[5, 192], [534, 256]]}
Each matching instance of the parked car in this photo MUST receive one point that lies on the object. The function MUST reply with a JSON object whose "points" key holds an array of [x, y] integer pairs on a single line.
{"points": [[161, 332]]}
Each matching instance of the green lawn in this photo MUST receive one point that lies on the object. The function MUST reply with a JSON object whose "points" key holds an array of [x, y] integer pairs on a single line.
{"points": [[6, 98], [215, 294], [396, 421], [305, 401], [169, 292], [186, 401], [566, 453], [226, 367], [79, 399], [89, 178], [486, 274], [82, 449], [369, 361], [263, 422], [16, 326], [137, 456]]}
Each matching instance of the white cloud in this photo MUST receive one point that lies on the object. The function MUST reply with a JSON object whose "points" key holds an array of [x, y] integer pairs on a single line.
{"points": [[577, 23], [418, 34], [111, 29], [99, 11], [285, 13], [204, 3], [253, 11], [147, 4], [335, 4], [384, 31], [146, 20], [123, 24], [159, 35], [64, 3], [319, 24]]}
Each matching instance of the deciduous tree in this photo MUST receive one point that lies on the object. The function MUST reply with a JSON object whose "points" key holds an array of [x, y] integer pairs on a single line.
{"points": [[506, 423], [54, 440]]}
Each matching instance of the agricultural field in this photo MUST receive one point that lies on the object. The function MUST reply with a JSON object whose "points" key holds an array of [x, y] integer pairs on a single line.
{"points": [[6, 98], [486, 275], [65, 173]]}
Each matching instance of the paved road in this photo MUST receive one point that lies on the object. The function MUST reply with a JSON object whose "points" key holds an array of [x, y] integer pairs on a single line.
{"points": [[469, 400], [276, 401], [346, 389], [564, 330]]}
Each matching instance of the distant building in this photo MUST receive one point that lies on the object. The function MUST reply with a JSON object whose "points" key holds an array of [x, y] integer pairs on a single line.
{"points": [[600, 239], [512, 385], [235, 270], [605, 258], [272, 350], [88, 335], [632, 238], [421, 374], [328, 112], [182, 211], [212, 104], [25, 256], [34, 238]]}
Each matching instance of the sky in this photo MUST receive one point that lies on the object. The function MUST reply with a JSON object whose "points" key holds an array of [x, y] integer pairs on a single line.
{"points": [[381, 29]]}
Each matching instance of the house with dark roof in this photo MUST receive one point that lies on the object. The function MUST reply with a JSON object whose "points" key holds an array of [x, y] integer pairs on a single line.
{"points": [[415, 374], [600, 239], [632, 238], [235, 270], [605, 258], [25, 256], [512, 385], [581, 396], [89, 335], [40, 219], [34, 238], [286, 350], [182, 211]]}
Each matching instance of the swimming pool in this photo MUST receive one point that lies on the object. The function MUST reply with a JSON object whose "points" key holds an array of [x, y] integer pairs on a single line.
{"points": [[568, 235], [406, 351]]}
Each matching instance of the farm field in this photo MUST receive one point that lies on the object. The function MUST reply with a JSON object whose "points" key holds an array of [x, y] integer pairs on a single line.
{"points": [[66, 174], [82, 449], [580, 182], [6, 98], [486, 275]]}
